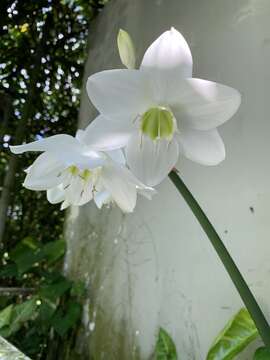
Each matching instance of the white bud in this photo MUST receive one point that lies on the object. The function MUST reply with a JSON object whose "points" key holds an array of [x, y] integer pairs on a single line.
{"points": [[126, 49]]}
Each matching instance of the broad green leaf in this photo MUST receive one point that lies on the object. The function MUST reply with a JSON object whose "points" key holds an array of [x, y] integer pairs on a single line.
{"points": [[28, 252], [234, 338], [5, 316], [165, 347], [31, 243], [20, 314], [27, 260], [25, 255], [262, 354], [62, 323], [55, 290], [126, 49], [54, 250], [46, 311]]}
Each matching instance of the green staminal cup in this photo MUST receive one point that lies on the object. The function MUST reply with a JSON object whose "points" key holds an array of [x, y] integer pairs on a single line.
{"points": [[73, 170], [86, 174], [158, 123]]}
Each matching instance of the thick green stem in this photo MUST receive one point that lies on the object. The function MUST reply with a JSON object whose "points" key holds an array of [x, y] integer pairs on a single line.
{"points": [[235, 275]]}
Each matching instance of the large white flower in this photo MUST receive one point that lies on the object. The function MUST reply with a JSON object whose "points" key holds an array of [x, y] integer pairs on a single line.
{"points": [[159, 111], [73, 173]]}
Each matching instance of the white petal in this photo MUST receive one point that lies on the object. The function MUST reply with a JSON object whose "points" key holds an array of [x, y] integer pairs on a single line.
{"points": [[52, 143], [56, 194], [170, 53], [144, 190], [203, 147], [79, 192], [101, 198], [117, 156], [85, 158], [118, 93], [151, 161], [64, 205], [122, 191], [80, 135], [87, 194], [102, 134], [203, 104], [44, 173], [74, 190], [66, 148]]}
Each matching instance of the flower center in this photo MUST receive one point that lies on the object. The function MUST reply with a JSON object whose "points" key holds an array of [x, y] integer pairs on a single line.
{"points": [[158, 123], [73, 170], [90, 180], [86, 174]]}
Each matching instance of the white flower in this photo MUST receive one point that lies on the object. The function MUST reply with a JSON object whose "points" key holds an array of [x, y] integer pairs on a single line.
{"points": [[159, 111], [73, 173]]}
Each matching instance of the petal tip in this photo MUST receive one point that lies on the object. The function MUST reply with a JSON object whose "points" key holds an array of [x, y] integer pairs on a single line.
{"points": [[14, 149]]}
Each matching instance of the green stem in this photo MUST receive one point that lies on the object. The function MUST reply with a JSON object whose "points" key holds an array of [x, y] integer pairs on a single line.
{"points": [[235, 275]]}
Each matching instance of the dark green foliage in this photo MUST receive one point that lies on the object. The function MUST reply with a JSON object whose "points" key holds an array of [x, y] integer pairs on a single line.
{"points": [[48, 303], [64, 321], [18, 316], [262, 354], [63, 25], [42, 54]]}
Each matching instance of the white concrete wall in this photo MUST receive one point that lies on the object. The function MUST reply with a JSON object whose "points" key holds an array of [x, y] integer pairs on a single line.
{"points": [[156, 267]]}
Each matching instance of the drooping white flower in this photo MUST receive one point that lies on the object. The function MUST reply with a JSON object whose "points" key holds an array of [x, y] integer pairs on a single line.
{"points": [[73, 173], [160, 111]]}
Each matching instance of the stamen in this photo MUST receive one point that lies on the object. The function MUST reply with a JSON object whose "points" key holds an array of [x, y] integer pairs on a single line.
{"points": [[136, 118], [158, 123], [141, 139]]}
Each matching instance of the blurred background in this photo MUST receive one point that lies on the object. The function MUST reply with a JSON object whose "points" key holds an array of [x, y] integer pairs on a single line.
{"points": [[43, 47]]}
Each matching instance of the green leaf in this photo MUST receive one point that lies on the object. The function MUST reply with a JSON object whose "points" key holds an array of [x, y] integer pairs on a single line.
{"points": [[5, 316], [54, 250], [25, 255], [54, 291], [262, 354], [28, 252], [165, 347], [234, 338], [20, 314], [126, 49], [31, 243], [62, 323], [46, 312], [78, 289]]}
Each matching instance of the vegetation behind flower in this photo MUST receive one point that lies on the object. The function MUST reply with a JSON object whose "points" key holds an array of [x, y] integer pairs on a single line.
{"points": [[42, 52]]}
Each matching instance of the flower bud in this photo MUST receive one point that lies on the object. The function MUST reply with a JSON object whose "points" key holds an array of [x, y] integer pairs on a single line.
{"points": [[126, 49]]}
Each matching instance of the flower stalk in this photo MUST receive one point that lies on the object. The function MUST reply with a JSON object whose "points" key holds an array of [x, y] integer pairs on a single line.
{"points": [[235, 275]]}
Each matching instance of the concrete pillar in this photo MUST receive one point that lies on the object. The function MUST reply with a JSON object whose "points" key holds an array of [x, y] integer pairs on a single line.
{"points": [[155, 267]]}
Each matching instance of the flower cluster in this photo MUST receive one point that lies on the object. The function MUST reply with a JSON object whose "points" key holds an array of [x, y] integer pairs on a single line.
{"points": [[148, 117]]}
